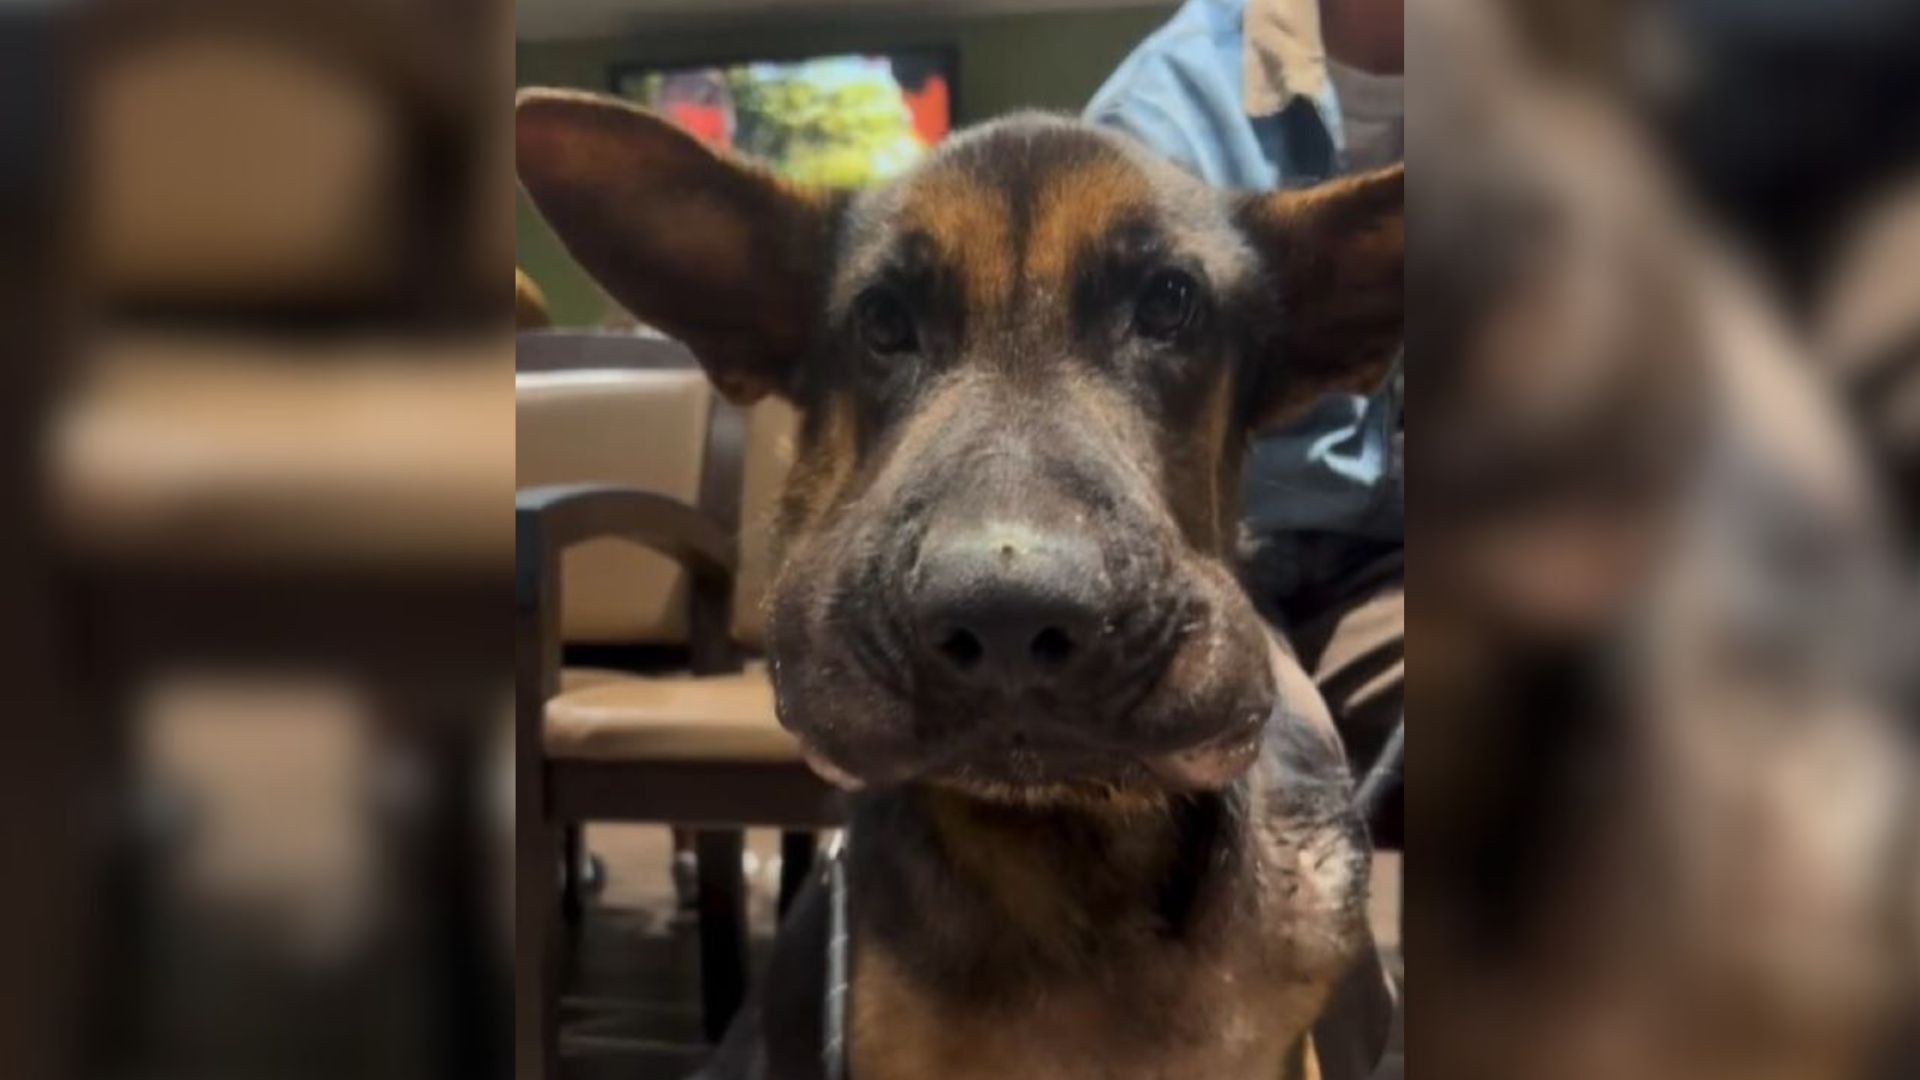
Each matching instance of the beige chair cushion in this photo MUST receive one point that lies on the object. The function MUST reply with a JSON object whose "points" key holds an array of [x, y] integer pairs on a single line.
{"points": [[223, 168], [727, 718], [771, 428], [646, 429], [245, 450]]}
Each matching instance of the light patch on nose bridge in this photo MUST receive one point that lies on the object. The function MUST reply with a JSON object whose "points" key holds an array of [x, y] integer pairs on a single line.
{"points": [[1015, 539]]}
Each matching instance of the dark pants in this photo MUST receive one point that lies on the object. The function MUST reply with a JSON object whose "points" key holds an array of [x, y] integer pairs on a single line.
{"points": [[1342, 605]]}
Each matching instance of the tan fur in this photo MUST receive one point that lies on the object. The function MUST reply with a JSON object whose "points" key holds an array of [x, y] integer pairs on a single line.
{"points": [[987, 845], [822, 473], [1226, 1020], [1231, 1028], [968, 225], [1075, 209], [1229, 998], [1202, 470]]}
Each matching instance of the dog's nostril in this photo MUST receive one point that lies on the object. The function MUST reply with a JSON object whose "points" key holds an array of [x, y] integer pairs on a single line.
{"points": [[1051, 647], [961, 647]]}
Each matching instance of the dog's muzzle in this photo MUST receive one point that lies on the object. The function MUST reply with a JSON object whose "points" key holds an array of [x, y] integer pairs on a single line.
{"points": [[1011, 656]]}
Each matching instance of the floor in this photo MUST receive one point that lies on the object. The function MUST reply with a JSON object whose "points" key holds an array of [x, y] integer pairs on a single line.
{"points": [[632, 1010], [632, 1007]]}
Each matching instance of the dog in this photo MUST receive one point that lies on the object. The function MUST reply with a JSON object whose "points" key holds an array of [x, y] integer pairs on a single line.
{"points": [[1103, 826]]}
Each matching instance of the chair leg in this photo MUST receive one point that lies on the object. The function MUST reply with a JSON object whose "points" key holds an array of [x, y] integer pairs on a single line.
{"points": [[121, 930], [572, 873], [796, 862], [686, 874], [470, 983], [723, 928], [536, 999]]}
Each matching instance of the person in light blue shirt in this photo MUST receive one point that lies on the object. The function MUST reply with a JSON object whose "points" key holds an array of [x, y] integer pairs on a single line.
{"points": [[1253, 94], [1184, 92]]}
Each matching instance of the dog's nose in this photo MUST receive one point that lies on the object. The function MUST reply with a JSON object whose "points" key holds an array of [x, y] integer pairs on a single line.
{"points": [[1009, 607]]}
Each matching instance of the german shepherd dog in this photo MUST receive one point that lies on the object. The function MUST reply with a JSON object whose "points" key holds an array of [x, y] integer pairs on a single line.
{"points": [[1103, 828]]}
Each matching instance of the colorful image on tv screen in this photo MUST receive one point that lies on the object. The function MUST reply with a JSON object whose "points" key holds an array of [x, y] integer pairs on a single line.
{"points": [[841, 121]]}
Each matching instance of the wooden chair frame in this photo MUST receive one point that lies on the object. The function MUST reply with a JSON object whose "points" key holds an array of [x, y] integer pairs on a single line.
{"points": [[553, 796]]}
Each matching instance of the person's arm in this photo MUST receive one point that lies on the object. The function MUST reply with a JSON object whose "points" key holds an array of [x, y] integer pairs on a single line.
{"points": [[1180, 94]]}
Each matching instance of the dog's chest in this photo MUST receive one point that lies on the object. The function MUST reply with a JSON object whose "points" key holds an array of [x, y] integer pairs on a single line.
{"points": [[1198, 947], [1172, 1016]]}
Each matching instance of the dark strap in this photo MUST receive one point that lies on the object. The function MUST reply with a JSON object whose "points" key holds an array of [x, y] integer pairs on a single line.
{"points": [[710, 620], [1386, 773], [723, 466], [833, 1050]]}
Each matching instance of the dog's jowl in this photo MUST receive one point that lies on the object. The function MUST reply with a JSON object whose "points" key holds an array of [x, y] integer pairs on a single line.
{"points": [[1103, 826]]}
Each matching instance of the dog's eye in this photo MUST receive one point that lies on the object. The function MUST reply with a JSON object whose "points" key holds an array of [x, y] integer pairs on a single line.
{"points": [[884, 322], [1166, 305]]}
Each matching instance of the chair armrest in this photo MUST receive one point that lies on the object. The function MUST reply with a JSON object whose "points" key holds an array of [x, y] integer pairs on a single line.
{"points": [[548, 520]]}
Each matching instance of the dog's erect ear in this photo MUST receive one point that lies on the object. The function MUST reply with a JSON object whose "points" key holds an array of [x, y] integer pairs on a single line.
{"points": [[716, 252], [1336, 252]]}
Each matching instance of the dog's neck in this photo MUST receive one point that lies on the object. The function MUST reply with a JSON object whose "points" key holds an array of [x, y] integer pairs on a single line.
{"points": [[981, 894]]}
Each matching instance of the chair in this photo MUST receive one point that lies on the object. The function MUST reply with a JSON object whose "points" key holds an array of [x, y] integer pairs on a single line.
{"points": [[694, 746]]}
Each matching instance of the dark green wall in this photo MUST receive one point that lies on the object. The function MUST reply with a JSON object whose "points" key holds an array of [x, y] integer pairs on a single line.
{"points": [[1007, 62]]}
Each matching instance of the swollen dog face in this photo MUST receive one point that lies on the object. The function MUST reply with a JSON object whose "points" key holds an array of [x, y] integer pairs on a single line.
{"points": [[1026, 372]]}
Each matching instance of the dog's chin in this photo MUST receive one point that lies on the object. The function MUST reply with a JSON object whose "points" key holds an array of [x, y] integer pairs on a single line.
{"points": [[1122, 780], [1018, 772]]}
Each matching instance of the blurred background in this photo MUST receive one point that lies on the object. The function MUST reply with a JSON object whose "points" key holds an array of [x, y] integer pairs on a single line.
{"points": [[1662, 300], [945, 65], [259, 353], [1665, 299]]}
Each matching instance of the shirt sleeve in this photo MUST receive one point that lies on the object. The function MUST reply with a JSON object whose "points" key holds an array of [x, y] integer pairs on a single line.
{"points": [[1144, 120], [1180, 94]]}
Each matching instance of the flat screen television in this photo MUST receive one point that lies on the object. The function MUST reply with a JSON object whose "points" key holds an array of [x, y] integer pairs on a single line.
{"points": [[843, 121]]}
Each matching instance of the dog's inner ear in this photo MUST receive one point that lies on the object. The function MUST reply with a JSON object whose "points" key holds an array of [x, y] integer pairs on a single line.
{"points": [[1336, 253], [714, 251]]}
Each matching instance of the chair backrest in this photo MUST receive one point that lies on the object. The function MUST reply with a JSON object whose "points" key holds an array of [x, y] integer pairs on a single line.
{"points": [[594, 408], [617, 408], [770, 429]]}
